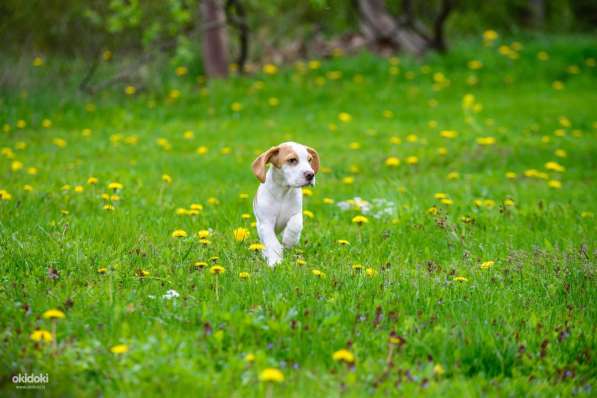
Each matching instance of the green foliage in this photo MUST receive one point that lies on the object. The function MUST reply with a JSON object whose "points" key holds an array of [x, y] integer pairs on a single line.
{"points": [[523, 326]]}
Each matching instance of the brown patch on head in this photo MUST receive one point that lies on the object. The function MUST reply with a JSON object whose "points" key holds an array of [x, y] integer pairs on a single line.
{"points": [[258, 165], [285, 153], [277, 156], [314, 159]]}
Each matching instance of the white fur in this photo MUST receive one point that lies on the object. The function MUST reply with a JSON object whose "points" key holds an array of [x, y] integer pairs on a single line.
{"points": [[278, 205]]}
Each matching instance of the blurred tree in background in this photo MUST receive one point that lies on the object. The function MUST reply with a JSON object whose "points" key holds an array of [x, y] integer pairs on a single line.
{"points": [[248, 32]]}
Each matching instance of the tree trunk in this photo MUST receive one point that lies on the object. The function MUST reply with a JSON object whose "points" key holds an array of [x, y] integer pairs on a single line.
{"points": [[214, 39], [537, 9], [381, 29]]}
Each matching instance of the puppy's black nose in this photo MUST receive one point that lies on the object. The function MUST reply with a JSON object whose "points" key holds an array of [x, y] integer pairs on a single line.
{"points": [[309, 175]]}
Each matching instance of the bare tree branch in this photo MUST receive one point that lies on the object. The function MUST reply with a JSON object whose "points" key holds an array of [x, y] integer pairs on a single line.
{"points": [[438, 41], [239, 21]]}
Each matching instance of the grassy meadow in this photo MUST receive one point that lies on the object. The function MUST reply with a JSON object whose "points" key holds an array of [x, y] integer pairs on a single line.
{"points": [[472, 274]]}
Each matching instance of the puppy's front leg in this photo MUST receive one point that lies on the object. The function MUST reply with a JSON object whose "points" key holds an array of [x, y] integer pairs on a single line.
{"points": [[292, 232], [273, 249]]}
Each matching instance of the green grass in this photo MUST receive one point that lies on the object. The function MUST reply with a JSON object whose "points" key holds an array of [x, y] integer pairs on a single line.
{"points": [[524, 327]]}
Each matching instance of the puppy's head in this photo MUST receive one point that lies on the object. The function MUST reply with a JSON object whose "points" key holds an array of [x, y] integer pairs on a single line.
{"points": [[295, 163]]}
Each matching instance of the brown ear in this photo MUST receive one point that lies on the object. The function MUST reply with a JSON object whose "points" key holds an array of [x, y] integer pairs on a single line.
{"points": [[315, 160], [263, 159]]}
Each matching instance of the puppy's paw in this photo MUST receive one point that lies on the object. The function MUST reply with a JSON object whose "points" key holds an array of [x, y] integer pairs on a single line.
{"points": [[273, 257], [272, 261]]}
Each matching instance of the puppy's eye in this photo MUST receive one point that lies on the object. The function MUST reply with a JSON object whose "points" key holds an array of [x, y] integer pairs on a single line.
{"points": [[310, 159], [292, 161]]}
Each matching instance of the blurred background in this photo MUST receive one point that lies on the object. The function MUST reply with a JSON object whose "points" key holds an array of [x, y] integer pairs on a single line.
{"points": [[104, 43]]}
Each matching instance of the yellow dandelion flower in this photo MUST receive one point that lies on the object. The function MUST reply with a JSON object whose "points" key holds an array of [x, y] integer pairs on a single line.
{"points": [[348, 180], [300, 262], [343, 355], [38, 61], [542, 56], [453, 175], [196, 206], [181, 71], [438, 370], [115, 186], [179, 233], [250, 358], [270, 69], [92, 181], [555, 184], [240, 234], [344, 117], [490, 35], [318, 273], [255, 247], [554, 166], [271, 375], [460, 279], [343, 242], [244, 275], [102, 270], [5, 195], [412, 160], [308, 214], [487, 264], [106, 55], [557, 85], [41, 335], [16, 165], [561, 153], [217, 269], [53, 314], [130, 90], [203, 234], [328, 201], [511, 175], [200, 264], [360, 220], [119, 349], [174, 94], [392, 161], [59, 142], [448, 134], [370, 272], [486, 141], [236, 106], [489, 203], [474, 64]]}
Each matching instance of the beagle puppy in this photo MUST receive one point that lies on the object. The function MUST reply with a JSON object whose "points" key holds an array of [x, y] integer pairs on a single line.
{"points": [[278, 204]]}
